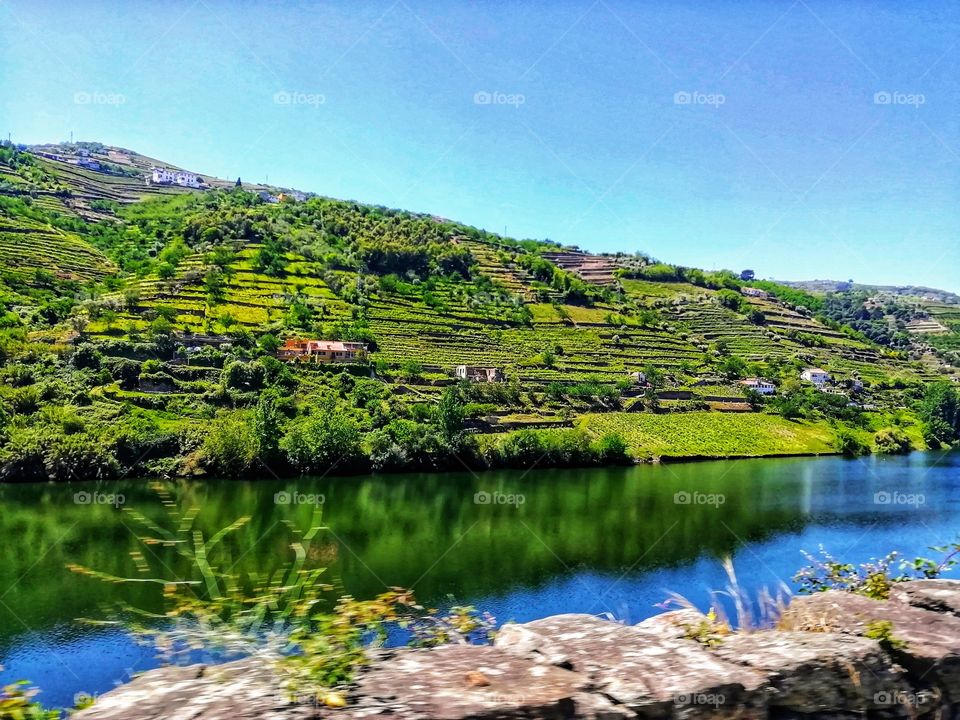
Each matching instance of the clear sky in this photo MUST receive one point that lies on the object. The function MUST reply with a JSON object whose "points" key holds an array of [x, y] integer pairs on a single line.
{"points": [[564, 120]]}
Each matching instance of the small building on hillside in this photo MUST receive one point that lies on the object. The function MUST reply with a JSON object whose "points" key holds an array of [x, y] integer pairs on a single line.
{"points": [[754, 292], [639, 378], [166, 176], [764, 387], [817, 376], [85, 161], [478, 374], [322, 351]]}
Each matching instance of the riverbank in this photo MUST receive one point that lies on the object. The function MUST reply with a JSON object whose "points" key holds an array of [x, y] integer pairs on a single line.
{"points": [[713, 435], [825, 658], [228, 448]]}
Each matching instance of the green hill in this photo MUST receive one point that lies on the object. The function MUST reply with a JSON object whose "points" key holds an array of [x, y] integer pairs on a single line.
{"points": [[144, 319]]}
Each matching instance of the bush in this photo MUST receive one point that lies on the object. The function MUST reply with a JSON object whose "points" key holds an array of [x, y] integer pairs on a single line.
{"points": [[849, 443], [612, 449], [87, 356], [45, 453], [892, 441], [230, 446], [321, 441]]}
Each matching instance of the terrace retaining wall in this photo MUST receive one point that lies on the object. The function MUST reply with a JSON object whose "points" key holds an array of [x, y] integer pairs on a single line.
{"points": [[820, 664]]}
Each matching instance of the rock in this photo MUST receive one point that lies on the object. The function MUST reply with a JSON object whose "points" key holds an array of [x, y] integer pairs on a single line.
{"points": [[232, 691], [653, 675], [676, 623], [942, 596], [818, 665], [926, 643], [810, 672], [435, 684]]}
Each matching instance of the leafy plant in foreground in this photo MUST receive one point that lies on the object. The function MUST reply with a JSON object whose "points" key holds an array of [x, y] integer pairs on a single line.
{"points": [[16, 703], [873, 579], [287, 616]]}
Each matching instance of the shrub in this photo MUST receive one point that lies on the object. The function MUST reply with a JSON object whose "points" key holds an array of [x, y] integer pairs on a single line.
{"points": [[849, 443], [611, 449], [892, 441], [230, 446], [87, 356], [323, 440]]}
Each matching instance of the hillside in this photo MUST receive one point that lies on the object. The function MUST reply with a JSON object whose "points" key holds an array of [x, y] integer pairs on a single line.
{"points": [[927, 319], [147, 317]]}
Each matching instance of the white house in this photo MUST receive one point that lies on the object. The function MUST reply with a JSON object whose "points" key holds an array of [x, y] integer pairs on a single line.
{"points": [[639, 378], [166, 176], [478, 374], [764, 387], [754, 292], [816, 376]]}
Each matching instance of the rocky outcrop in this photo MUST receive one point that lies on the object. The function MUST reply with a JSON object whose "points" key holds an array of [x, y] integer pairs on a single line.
{"points": [[836, 655]]}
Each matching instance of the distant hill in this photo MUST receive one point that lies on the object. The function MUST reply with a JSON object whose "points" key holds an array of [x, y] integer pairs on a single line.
{"points": [[924, 293]]}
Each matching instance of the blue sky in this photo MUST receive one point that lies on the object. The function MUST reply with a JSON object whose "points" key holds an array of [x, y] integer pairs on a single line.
{"points": [[714, 134]]}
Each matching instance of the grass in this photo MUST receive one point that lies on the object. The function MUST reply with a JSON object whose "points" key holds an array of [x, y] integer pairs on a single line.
{"points": [[701, 434]]}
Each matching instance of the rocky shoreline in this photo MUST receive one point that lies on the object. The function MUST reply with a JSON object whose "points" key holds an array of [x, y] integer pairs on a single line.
{"points": [[834, 655]]}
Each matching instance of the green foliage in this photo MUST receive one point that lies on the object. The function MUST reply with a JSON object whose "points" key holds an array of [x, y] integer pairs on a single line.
{"points": [[325, 439], [940, 410], [556, 448], [731, 299], [882, 632], [231, 445], [849, 443], [873, 579], [17, 703], [270, 259], [288, 615], [892, 441], [449, 418]]}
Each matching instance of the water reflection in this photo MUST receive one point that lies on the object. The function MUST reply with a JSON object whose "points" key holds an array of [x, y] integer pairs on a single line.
{"points": [[610, 540]]}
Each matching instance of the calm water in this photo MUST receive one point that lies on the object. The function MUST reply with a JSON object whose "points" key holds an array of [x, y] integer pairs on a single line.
{"points": [[611, 540]]}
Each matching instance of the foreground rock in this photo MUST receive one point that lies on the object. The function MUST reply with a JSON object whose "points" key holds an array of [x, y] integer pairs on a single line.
{"points": [[924, 642], [821, 665], [243, 689], [644, 670]]}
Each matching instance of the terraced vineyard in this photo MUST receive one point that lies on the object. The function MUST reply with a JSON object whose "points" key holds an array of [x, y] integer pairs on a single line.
{"points": [[948, 316], [27, 246], [175, 302], [250, 299]]}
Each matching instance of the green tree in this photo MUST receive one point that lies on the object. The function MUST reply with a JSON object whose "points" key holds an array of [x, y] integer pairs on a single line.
{"points": [[230, 445], [323, 440], [449, 417], [940, 411], [268, 427]]}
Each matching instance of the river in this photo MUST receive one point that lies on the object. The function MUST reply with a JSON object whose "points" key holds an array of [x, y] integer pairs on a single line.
{"points": [[521, 545]]}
